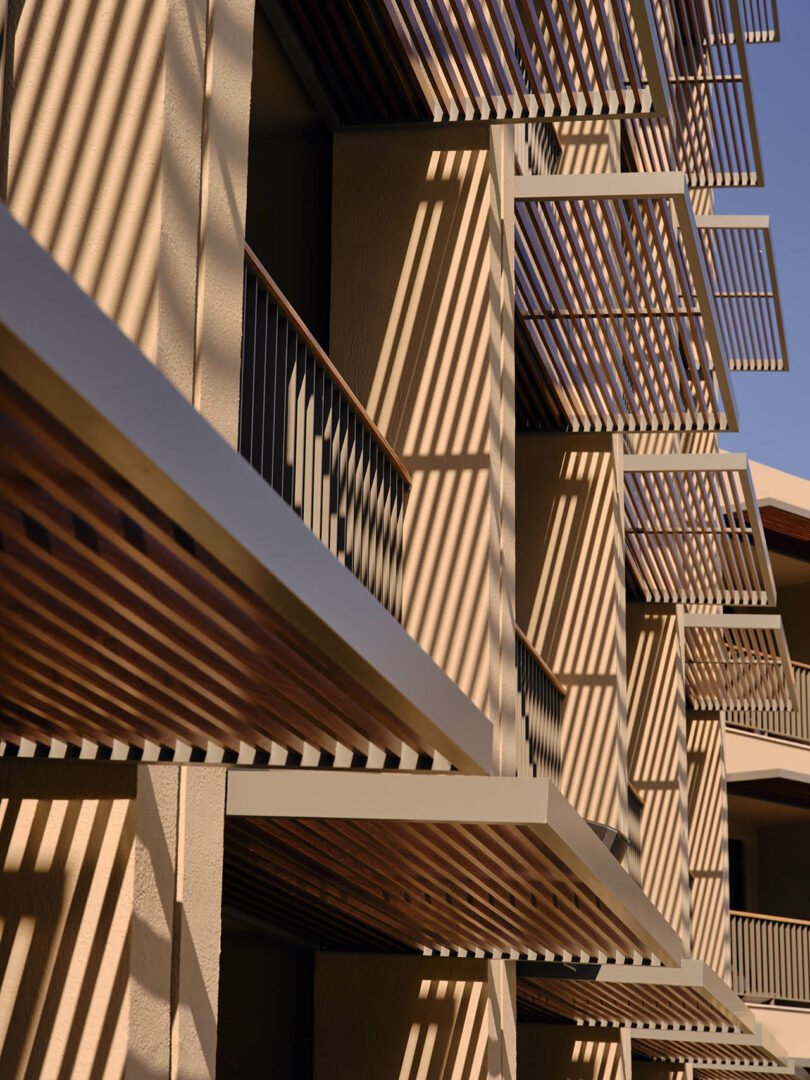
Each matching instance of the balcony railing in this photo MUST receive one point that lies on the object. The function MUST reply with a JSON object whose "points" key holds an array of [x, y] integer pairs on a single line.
{"points": [[304, 430], [770, 957], [540, 699], [787, 724]]}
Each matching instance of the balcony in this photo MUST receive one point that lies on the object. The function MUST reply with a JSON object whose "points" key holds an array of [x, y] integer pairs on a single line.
{"points": [[616, 326], [770, 957], [540, 698], [305, 432], [401, 61]]}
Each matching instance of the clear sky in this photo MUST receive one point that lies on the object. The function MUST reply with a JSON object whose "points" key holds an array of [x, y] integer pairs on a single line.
{"points": [[774, 407]]}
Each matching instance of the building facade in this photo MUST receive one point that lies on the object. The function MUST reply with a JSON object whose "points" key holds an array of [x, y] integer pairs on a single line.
{"points": [[394, 681]]}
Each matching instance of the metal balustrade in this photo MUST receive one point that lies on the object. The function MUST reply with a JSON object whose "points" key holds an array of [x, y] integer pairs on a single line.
{"points": [[787, 724], [304, 430], [540, 699], [770, 957]]}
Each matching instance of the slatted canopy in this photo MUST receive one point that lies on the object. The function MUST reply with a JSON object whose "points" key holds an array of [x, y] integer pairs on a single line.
{"points": [[438, 864], [760, 19], [738, 662], [690, 995], [692, 531], [395, 61], [751, 1072], [710, 130], [706, 1048], [742, 276], [616, 322], [154, 588]]}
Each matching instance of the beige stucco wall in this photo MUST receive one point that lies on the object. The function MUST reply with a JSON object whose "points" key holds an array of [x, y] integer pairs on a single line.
{"points": [[123, 148], [571, 604], [422, 299], [110, 919], [571, 1053], [790, 1027], [657, 767], [413, 1018], [748, 752], [708, 843]]}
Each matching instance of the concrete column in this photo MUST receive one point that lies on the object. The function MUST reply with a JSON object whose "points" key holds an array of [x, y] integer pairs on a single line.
{"points": [[708, 843], [421, 325], [656, 703], [571, 604], [408, 1018]]}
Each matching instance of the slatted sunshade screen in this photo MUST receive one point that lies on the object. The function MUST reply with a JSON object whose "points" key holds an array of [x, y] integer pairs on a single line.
{"points": [[692, 531], [719, 1049], [760, 20], [611, 334], [737, 662], [414, 60], [742, 274], [710, 131]]}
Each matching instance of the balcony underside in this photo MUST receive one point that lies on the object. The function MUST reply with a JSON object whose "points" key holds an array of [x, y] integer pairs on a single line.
{"points": [[615, 322], [738, 662], [443, 865], [400, 61], [692, 531], [719, 1049], [690, 995], [710, 131], [155, 589]]}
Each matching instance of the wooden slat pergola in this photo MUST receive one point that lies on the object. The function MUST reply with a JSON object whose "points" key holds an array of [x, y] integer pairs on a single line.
{"points": [[742, 275], [690, 995], [710, 130], [737, 662], [692, 531], [616, 323]]}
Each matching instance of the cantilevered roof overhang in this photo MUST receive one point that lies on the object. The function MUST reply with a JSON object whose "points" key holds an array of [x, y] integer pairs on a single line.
{"points": [[688, 996], [439, 864], [710, 131], [692, 531], [757, 1047], [154, 588], [742, 276], [737, 662], [399, 61], [616, 324]]}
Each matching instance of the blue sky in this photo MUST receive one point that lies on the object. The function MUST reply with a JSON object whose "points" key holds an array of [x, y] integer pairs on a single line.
{"points": [[774, 408]]}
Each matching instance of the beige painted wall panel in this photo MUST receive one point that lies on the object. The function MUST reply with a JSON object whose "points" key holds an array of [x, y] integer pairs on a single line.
{"points": [[790, 1027], [746, 753], [708, 844], [657, 758], [413, 1018], [223, 201], [568, 1053], [66, 894], [421, 327], [101, 153], [571, 603]]}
